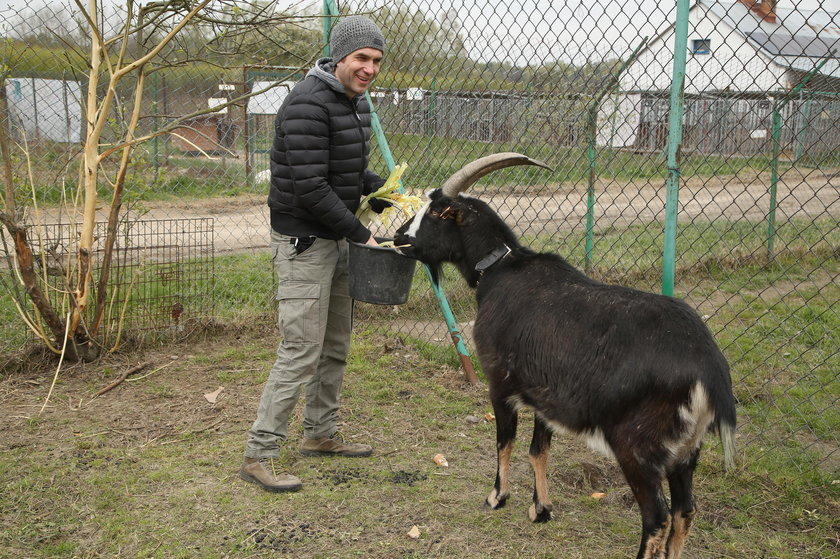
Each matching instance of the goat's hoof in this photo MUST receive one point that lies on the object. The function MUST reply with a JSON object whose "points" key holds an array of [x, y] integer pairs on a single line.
{"points": [[496, 500], [539, 513]]}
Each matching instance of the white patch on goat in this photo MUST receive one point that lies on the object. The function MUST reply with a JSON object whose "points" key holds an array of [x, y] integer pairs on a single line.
{"points": [[597, 442], [411, 232], [696, 416], [515, 401], [594, 439]]}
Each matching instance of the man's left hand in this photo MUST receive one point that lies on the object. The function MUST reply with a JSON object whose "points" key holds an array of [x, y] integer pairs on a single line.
{"points": [[379, 204]]}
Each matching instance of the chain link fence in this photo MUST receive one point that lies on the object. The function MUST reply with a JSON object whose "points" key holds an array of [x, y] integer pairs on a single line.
{"points": [[586, 87]]}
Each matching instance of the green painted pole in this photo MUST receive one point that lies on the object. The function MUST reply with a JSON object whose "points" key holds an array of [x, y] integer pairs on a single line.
{"points": [[432, 100], [330, 11], [379, 134], [774, 177], [672, 191], [779, 104], [592, 131], [330, 17], [800, 137]]}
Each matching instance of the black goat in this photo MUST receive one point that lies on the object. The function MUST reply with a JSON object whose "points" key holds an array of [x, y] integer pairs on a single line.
{"points": [[636, 374]]}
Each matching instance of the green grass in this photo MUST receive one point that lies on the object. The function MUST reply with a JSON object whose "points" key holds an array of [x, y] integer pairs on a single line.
{"points": [[149, 470], [243, 286], [776, 321]]}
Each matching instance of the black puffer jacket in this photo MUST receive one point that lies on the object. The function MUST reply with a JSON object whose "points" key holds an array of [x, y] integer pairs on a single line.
{"points": [[319, 160]]}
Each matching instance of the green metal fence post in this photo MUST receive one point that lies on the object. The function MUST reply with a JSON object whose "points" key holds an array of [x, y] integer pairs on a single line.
{"points": [[431, 113], [669, 251], [451, 324], [779, 104], [591, 132], [330, 16], [774, 175], [805, 111]]}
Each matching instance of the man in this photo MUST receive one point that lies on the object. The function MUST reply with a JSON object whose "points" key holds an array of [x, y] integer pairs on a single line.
{"points": [[318, 176]]}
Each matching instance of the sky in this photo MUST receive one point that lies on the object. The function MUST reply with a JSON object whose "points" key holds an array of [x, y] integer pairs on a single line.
{"points": [[522, 31]]}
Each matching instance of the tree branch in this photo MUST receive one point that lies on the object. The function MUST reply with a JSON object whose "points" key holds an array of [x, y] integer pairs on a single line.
{"points": [[122, 378], [30, 277]]}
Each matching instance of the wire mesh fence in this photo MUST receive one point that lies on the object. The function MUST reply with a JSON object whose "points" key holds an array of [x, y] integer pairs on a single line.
{"points": [[585, 87], [161, 271]]}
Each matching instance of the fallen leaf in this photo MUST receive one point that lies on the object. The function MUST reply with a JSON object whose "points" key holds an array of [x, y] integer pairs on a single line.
{"points": [[213, 396], [489, 416], [440, 460], [414, 533], [598, 495]]}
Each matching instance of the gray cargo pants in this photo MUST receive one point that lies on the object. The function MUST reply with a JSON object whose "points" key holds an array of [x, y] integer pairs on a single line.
{"points": [[315, 318]]}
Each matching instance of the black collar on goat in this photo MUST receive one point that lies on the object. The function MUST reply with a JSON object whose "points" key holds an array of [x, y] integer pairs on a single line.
{"points": [[495, 256]]}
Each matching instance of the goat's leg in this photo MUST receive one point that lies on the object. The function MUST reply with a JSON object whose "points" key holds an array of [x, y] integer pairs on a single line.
{"points": [[506, 419], [646, 484], [655, 519], [680, 480], [540, 511]]}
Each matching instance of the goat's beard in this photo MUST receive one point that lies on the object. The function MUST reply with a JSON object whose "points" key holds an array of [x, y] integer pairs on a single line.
{"points": [[436, 272]]}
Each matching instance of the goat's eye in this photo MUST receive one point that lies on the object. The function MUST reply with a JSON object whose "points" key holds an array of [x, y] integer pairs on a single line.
{"points": [[447, 213]]}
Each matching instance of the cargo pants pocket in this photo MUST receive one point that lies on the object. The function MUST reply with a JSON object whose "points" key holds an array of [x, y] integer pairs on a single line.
{"points": [[299, 311]]}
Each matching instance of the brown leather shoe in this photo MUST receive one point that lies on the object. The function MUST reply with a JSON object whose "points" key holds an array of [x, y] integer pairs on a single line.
{"points": [[333, 446], [261, 471]]}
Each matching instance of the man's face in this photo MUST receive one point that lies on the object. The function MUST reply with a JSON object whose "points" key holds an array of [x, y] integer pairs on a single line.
{"points": [[357, 70]]}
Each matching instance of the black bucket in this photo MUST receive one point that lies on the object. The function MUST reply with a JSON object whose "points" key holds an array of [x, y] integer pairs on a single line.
{"points": [[380, 275]]}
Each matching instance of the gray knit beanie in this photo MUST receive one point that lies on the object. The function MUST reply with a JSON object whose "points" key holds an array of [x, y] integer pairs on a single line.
{"points": [[354, 33]]}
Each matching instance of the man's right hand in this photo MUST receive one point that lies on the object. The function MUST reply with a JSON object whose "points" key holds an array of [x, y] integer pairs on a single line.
{"points": [[372, 242]]}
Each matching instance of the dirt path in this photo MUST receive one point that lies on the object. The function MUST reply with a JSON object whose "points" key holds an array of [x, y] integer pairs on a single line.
{"points": [[241, 224]]}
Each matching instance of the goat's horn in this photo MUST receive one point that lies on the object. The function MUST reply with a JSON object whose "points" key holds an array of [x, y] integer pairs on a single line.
{"points": [[471, 172]]}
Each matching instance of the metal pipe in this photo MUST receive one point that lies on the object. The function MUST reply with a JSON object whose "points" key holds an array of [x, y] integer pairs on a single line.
{"points": [[330, 11], [592, 130], [675, 129], [779, 104], [440, 296]]}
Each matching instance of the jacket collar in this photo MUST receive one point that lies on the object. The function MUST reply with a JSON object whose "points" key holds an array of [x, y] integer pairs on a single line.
{"points": [[324, 70]]}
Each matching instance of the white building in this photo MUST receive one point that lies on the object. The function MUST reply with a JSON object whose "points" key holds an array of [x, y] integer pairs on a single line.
{"points": [[743, 55], [45, 109]]}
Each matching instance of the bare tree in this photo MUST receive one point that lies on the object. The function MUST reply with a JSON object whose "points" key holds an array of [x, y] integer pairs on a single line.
{"points": [[118, 55]]}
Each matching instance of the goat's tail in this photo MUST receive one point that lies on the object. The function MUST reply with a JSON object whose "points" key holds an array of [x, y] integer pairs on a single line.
{"points": [[726, 431], [723, 402]]}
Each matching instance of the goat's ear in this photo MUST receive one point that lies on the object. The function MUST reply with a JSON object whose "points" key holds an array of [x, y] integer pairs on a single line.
{"points": [[463, 214], [462, 217], [458, 212]]}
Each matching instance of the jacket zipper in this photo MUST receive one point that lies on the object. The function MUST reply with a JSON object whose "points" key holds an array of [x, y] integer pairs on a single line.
{"points": [[355, 105]]}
